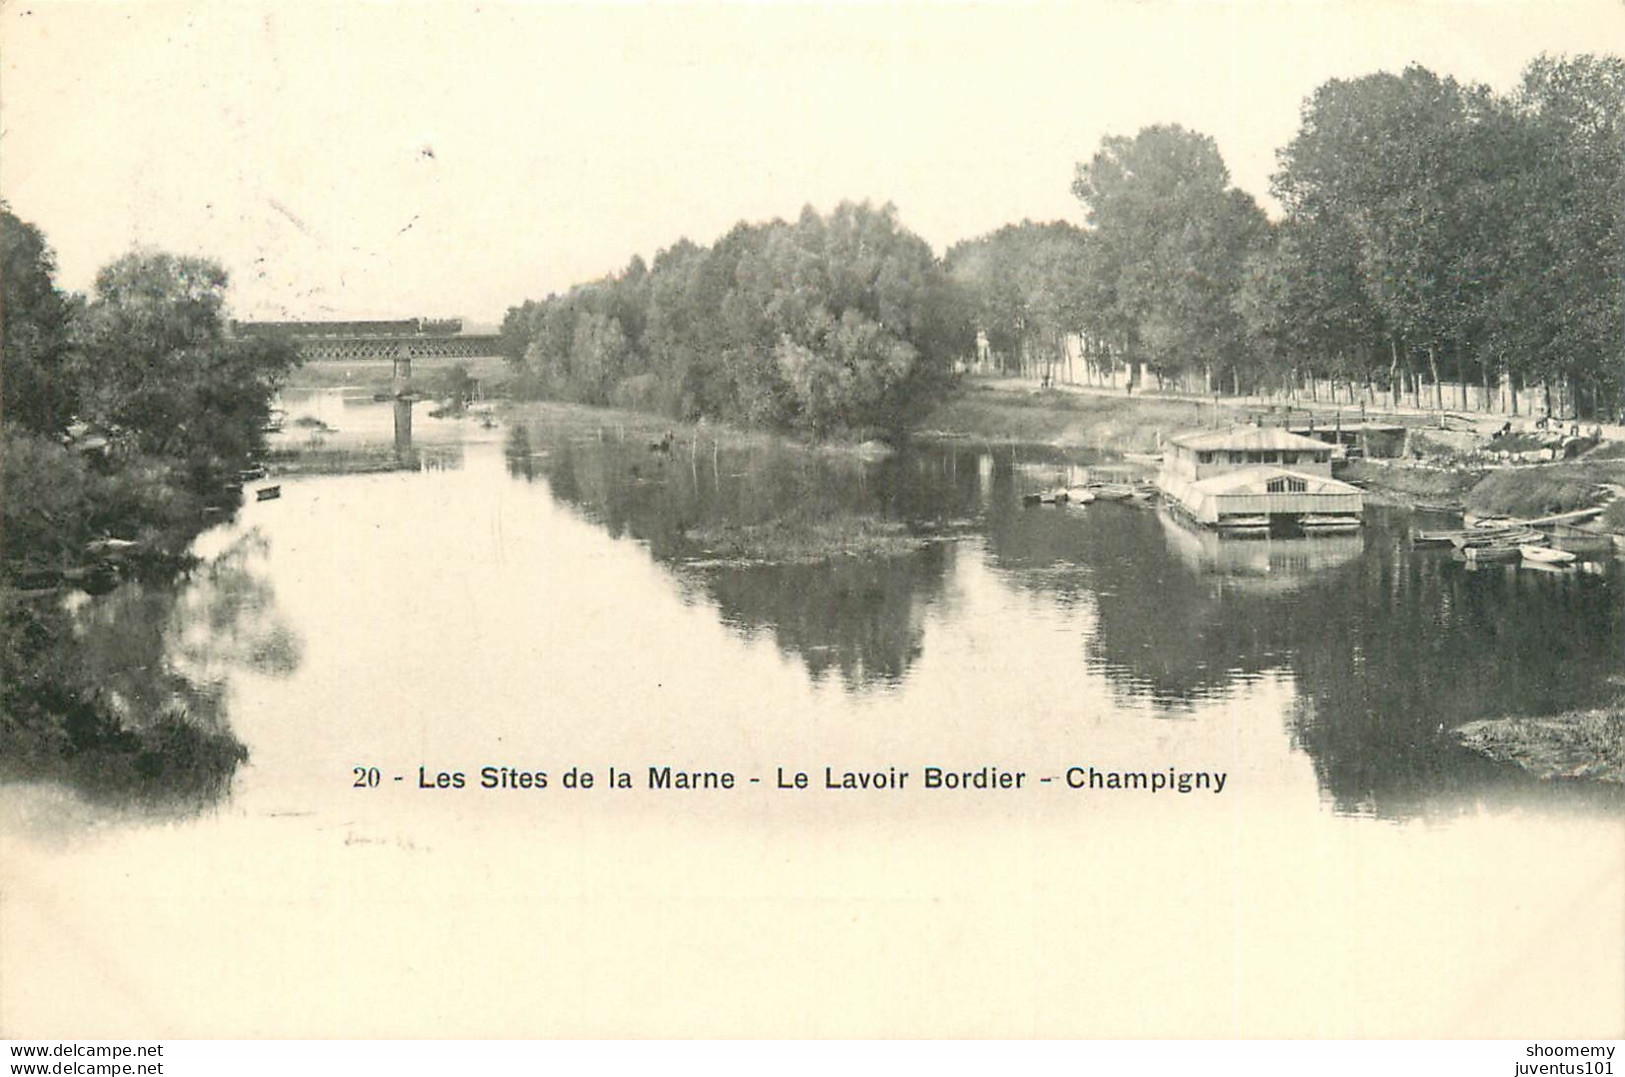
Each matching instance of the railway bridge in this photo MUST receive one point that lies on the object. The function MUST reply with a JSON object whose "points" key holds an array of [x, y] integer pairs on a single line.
{"points": [[399, 340]]}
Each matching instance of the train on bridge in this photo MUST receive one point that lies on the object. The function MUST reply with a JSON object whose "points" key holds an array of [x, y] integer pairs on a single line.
{"points": [[399, 338]]}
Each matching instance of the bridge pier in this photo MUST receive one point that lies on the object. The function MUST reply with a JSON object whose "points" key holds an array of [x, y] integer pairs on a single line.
{"points": [[403, 368]]}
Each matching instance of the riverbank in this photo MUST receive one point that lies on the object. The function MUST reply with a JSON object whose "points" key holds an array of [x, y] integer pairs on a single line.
{"points": [[1450, 476], [90, 696], [1068, 419], [1444, 471]]}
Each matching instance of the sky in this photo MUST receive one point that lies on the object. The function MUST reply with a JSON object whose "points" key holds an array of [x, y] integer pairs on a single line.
{"points": [[453, 159]]}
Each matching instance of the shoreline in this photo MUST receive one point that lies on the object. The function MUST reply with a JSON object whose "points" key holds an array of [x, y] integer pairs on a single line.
{"points": [[1450, 477], [1583, 745], [1447, 479]]}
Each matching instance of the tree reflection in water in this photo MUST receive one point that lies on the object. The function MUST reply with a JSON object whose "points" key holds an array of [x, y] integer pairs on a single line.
{"points": [[1385, 648], [858, 616], [124, 697]]}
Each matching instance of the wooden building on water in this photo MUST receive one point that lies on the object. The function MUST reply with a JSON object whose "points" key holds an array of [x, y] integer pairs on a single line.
{"points": [[1255, 480]]}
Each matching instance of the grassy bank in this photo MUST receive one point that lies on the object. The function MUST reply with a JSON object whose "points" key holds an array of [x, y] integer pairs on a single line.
{"points": [[1115, 423], [1123, 423], [1536, 491], [1407, 485], [1528, 492], [1588, 744]]}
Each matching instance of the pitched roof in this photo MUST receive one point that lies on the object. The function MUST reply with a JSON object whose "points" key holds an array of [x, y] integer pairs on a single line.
{"points": [[1249, 439]]}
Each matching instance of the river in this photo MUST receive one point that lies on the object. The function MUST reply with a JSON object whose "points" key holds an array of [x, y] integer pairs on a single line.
{"points": [[531, 598]]}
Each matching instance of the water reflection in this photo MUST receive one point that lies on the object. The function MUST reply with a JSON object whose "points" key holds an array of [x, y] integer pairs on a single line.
{"points": [[124, 697], [1372, 651], [1412, 644], [1385, 649], [449, 619], [403, 427], [1262, 563], [351, 432], [227, 620], [859, 617]]}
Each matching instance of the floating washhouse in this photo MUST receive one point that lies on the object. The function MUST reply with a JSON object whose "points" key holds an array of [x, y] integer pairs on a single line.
{"points": [[1255, 480]]}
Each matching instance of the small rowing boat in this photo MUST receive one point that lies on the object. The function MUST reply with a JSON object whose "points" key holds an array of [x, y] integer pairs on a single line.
{"points": [[1486, 536], [1546, 555], [1243, 525]]}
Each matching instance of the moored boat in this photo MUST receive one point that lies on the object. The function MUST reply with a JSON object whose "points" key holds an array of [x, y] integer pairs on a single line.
{"points": [[1546, 555], [1048, 497], [1243, 525], [267, 493], [1506, 536], [111, 547], [1434, 538], [1329, 525]]}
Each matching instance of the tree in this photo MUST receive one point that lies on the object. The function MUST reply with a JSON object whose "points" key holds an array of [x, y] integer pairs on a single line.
{"points": [[1171, 238], [598, 356], [1565, 299], [37, 377], [1402, 176], [518, 326], [159, 370], [844, 320], [1024, 284]]}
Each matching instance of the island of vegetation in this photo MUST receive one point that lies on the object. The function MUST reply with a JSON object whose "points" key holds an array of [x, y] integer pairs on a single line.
{"points": [[1583, 744]]}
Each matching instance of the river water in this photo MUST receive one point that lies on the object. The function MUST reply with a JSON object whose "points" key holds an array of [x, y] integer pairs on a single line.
{"points": [[532, 597]]}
